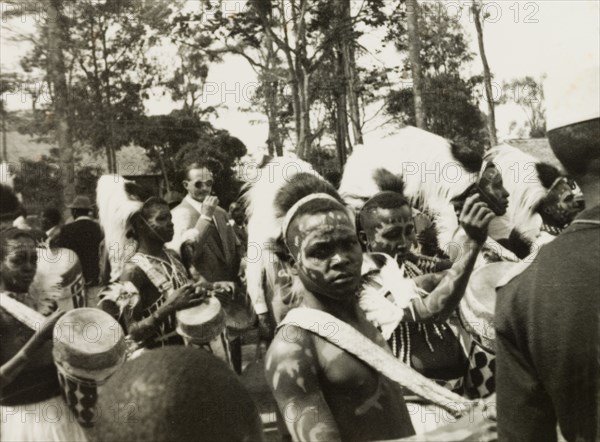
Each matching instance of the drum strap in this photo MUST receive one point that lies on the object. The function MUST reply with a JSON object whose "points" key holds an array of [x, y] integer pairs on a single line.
{"points": [[21, 312], [158, 280], [351, 340]]}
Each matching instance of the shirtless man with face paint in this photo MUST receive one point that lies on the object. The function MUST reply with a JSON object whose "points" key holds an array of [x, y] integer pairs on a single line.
{"points": [[323, 392]]}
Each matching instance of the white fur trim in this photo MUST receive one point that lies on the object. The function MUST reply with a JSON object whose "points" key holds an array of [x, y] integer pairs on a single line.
{"points": [[115, 208], [264, 227], [520, 178], [431, 174]]}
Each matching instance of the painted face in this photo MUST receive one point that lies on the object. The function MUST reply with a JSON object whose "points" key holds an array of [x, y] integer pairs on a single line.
{"points": [[199, 183], [493, 191], [18, 268], [327, 252], [560, 205], [158, 219], [391, 231]]}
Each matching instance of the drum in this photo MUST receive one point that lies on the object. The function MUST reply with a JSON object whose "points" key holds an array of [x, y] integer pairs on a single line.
{"points": [[89, 346], [203, 326], [59, 277], [476, 313]]}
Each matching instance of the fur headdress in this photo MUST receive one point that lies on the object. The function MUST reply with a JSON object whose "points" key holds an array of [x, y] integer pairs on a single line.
{"points": [[280, 185], [118, 200], [433, 169], [520, 176]]}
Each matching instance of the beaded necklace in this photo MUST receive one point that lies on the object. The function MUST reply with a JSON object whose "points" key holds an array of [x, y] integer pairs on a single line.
{"points": [[402, 333]]}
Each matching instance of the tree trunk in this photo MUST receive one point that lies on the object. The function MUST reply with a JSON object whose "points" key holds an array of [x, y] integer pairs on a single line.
{"points": [[163, 168], [349, 70], [415, 60], [109, 159], [341, 103], [4, 144], [56, 25], [274, 142], [487, 76], [305, 134]]}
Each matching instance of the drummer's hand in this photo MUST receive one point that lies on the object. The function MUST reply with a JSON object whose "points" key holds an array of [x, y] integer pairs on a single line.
{"points": [[224, 291], [183, 297], [48, 325], [475, 218]]}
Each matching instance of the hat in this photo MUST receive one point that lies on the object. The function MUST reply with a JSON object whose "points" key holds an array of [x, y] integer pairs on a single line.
{"points": [[573, 98], [81, 202]]}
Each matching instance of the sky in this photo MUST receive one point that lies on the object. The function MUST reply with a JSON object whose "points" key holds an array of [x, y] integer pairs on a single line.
{"points": [[521, 38]]}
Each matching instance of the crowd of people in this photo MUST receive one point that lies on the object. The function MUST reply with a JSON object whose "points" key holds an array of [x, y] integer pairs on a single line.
{"points": [[376, 329]]}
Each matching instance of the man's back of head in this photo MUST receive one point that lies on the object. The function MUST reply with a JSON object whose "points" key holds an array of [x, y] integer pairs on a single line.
{"points": [[176, 393]]}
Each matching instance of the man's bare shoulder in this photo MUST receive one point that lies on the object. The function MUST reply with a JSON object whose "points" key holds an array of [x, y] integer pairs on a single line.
{"points": [[290, 343]]}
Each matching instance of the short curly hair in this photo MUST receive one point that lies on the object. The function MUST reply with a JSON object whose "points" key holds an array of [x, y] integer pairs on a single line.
{"points": [[176, 393]]}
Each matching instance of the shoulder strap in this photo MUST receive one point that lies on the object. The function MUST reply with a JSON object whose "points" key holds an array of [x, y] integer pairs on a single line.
{"points": [[351, 340], [158, 280], [21, 312]]}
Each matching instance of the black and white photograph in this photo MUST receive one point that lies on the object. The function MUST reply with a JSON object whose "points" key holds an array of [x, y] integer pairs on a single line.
{"points": [[299, 220]]}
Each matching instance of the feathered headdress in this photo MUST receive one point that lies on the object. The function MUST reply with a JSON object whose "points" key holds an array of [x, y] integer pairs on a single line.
{"points": [[266, 199], [117, 200]]}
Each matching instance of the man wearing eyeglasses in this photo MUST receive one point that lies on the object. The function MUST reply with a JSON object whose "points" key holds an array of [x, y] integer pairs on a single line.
{"points": [[199, 220], [206, 241]]}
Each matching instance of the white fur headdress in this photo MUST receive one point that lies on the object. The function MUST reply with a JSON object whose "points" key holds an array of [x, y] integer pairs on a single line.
{"points": [[425, 161], [264, 223], [520, 179], [115, 208]]}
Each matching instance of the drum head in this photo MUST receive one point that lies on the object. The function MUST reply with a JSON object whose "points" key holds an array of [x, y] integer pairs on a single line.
{"points": [[88, 338], [200, 314], [203, 322]]}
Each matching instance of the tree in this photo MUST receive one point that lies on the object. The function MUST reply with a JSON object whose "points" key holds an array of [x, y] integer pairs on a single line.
{"points": [[528, 93], [222, 152], [106, 67], [415, 60], [57, 27], [487, 76], [449, 101], [450, 108], [163, 136]]}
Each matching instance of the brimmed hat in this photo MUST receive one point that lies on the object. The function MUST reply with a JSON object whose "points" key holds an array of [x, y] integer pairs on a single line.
{"points": [[81, 202]]}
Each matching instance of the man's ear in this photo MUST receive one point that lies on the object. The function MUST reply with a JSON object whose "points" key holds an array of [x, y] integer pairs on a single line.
{"points": [[184, 183], [362, 237]]}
